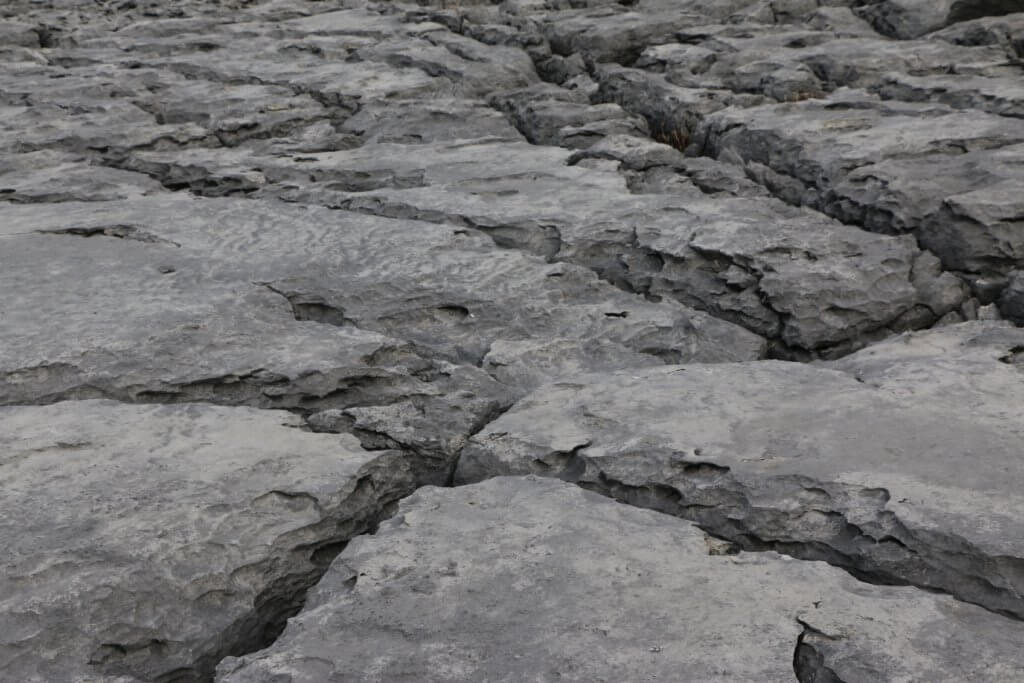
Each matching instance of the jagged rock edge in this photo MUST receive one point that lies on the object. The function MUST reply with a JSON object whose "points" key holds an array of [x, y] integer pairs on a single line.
{"points": [[572, 466]]}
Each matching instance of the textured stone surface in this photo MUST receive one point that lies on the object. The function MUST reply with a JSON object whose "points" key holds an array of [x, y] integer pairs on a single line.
{"points": [[874, 163], [148, 542], [283, 277], [752, 263], [145, 322], [897, 462], [384, 224], [561, 584], [792, 63], [911, 18]]}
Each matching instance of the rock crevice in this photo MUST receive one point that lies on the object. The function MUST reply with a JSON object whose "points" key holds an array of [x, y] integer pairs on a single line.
{"points": [[272, 267]]}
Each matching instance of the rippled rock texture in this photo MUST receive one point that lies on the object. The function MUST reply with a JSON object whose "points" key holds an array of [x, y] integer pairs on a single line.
{"points": [[271, 267]]}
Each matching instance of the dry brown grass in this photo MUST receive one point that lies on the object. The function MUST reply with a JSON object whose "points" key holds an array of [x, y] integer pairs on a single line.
{"points": [[676, 137]]}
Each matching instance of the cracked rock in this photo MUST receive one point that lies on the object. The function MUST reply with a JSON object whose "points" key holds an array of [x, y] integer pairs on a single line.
{"points": [[874, 164], [560, 583], [147, 542], [246, 243], [912, 18], [891, 463], [791, 64], [146, 322], [441, 291], [683, 247]]}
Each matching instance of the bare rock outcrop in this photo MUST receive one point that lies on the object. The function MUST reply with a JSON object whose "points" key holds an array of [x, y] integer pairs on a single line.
{"points": [[271, 266], [563, 584]]}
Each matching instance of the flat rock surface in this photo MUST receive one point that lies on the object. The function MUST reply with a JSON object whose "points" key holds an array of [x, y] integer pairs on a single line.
{"points": [[668, 250], [562, 584], [444, 289], [897, 461], [150, 552]]}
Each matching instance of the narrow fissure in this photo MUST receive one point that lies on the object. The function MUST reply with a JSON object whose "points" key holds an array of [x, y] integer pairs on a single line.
{"points": [[808, 662]]}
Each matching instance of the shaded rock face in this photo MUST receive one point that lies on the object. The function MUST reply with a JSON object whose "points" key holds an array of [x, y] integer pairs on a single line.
{"points": [[912, 18], [271, 267]]}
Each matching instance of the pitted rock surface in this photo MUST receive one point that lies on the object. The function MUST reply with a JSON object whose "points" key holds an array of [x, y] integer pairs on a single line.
{"points": [[270, 266]]}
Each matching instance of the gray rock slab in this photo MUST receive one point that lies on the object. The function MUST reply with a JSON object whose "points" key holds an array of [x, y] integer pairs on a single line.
{"points": [[342, 58], [794, 64], [998, 94], [890, 167], [30, 125], [747, 261], [374, 219], [714, 177], [429, 120], [558, 583], [443, 289], [1007, 31], [20, 34], [912, 18], [633, 153], [559, 119], [348, 62], [612, 33], [472, 67], [148, 542], [123, 313], [232, 112], [672, 111], [51, 176], [899, 462], [841, 21], [143, 321]]}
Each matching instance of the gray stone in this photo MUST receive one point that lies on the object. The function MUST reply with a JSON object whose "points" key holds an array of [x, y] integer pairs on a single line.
{"points": [[1006, 31], [309, 273], [428, 120], [715, 177], [912, 18], [145, 321], [612, 33], [893, 462], [634, 153], [841, 21], [148, 542], [160, 312], [14, 33], [394, 220], [682, 248], [45, 176], [794, 64], [876, 165], [673, 112], [1011, 301], [565, 117], [233, 113], [558, 583]]}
